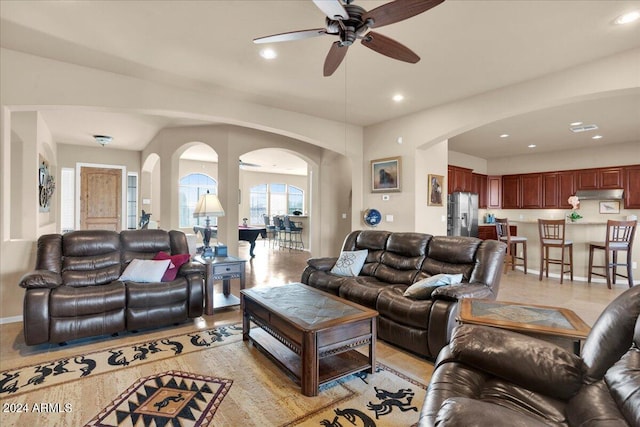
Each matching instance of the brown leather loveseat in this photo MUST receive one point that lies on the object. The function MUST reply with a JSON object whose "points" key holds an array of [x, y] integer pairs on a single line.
{"points": [[75, 291], [395, 261], [494, 377]]}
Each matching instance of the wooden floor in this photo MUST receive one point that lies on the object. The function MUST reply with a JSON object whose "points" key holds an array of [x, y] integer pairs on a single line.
{"points": [[274, 267]]}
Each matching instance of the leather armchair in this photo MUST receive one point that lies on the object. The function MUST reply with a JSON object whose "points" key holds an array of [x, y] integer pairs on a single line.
{"points": [[494, 377], [75, 291]]}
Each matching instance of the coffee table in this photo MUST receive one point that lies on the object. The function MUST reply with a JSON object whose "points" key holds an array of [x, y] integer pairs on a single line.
{"points": [[547, 322], [310, 334]]}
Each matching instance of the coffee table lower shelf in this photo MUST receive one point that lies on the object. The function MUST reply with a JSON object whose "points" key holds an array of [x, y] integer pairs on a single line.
{"points": [[330, 368]]}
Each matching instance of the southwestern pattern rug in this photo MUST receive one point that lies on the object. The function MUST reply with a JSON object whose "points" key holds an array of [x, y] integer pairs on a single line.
{"points": [[204, 378]]}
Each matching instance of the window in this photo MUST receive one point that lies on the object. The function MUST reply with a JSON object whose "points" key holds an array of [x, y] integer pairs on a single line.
{"points": [[132, 201], [274, 199], [192, 187]]}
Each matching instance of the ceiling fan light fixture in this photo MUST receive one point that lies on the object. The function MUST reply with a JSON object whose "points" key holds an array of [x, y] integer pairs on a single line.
{"points": [[268, 53], [103, 139]]}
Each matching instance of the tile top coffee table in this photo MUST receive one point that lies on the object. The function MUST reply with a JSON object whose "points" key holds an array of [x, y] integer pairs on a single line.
{"points": [[310, 334], [538, 320]]}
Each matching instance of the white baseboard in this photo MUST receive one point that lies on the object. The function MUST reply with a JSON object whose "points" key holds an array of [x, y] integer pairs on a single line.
{"points": [[13, 319], [619, 280]]}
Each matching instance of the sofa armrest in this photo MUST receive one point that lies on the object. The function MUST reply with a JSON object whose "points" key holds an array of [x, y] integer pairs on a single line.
{"points": [[192, 267], [463, 290], [40, 279], [532, 363], [462, 411], [322, 264]]}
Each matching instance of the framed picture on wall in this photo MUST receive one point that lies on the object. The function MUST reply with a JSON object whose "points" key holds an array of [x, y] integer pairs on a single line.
{"points": [[610, 207], [434, 196], [385, 175]]}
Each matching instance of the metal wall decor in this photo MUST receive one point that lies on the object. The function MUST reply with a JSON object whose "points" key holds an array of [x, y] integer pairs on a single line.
{"points": [[46, 186]]}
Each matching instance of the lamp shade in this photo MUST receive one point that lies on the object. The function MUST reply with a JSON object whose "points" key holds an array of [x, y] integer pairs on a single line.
{"points": [[208, 205]]}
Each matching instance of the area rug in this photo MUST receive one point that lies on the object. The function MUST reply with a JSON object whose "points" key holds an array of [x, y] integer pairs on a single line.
{"points": [[29, 378], [171, 398], [234, 384]]}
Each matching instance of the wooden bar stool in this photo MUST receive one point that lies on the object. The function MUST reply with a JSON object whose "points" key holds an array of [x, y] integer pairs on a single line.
{"points": [[503, 231], [619, 238], [552, 235]]}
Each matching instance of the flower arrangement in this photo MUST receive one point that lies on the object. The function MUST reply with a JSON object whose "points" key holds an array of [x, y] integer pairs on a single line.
{"points": [[574, 201]]}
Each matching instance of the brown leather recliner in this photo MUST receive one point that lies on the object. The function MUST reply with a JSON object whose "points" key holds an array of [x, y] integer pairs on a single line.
{"points": [[494, 377], [397, 260], [75, 292]]}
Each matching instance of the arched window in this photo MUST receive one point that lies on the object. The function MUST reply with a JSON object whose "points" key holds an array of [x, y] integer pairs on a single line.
{"points": [[274, 199], [192, 187]]}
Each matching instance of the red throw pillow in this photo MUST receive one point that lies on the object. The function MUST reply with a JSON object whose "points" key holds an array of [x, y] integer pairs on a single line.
{"points": [[176, 262]]}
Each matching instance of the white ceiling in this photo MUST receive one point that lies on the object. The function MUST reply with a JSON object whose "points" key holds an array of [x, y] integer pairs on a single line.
{"points": [[467, 48]]}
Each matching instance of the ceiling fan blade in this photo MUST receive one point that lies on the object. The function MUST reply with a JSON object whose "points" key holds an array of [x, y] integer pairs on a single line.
{"points": [[251, 165], [293, 35], [332, 8], [334, 58], [389, 47], [398, 10]]}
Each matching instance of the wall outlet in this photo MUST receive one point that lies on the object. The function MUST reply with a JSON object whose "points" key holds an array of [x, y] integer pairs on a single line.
{"points": [[634, 265], [389, 218], [344, 216]]}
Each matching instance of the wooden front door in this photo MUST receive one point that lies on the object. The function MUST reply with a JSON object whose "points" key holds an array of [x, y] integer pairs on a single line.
{"points": [[100, 199]]}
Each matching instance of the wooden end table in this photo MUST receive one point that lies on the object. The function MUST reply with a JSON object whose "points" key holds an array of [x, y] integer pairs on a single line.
{"points": [[310, 334], [541, 321], [225, 269]]}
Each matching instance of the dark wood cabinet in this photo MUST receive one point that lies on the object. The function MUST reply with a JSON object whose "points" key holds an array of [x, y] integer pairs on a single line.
{"points": [[566, 188], [488, 232], [587, 179], [556, 189], [479, 186], [550, 195], [531, 190], [494, 192], [632, 187], [611, 178], [511, 191], [459, 179]]}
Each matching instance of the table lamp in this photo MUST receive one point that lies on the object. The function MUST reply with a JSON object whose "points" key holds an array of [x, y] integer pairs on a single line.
{"points": [[208, 206]]}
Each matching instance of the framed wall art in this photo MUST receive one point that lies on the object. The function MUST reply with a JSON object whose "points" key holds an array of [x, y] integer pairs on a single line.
{"points": [[385, 175], [434, 198], [610, 207]]}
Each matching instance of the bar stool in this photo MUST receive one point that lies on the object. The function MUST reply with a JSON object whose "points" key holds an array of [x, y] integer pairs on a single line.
{"points": [[619, 238], [504, 235], [552, 235], [295, 234]]}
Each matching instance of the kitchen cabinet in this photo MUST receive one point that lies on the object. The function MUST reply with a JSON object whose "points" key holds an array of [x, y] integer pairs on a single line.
{"points": [[531, 193], [556, 189], [587, 179], [611, 178], [550, 194], [479, 186], [511, 192], [494, 192], [459, 179], [632, 187]]}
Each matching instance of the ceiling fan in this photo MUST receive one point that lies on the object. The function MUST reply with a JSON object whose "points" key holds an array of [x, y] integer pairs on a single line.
{"points": [[249, 165], [351, 22]]}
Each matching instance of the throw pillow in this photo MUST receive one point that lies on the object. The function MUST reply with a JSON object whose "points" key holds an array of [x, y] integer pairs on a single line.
{"points": [[350, 263], [177, 261], [422, 289], [147, 270]]}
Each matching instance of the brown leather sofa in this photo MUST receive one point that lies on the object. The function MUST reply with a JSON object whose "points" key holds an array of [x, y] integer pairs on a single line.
{"points": [[75, 292], [397, 260], [493, 377]]}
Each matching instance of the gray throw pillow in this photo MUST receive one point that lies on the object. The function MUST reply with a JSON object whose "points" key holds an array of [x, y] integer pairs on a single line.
{"points": [[350, 263], [422, 289]]}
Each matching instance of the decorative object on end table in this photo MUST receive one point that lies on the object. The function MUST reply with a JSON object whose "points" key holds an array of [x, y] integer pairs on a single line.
{"points": [[208, 206], [574, 201], [435, 190], [385, 175]]}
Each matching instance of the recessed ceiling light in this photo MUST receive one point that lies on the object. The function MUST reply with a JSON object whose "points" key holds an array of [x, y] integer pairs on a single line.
{"points": [[504, 135], [398, 97], [596, 137], [531, 145], [268, 53], [575, 124], [627, 18]]}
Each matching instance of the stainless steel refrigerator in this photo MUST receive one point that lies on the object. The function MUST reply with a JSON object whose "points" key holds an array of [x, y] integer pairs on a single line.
{"points": [[462, 214]]}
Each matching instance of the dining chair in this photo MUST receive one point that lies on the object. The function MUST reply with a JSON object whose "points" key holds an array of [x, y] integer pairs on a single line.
{"points": [[503, 232], [552, 235], [619, 238]]}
